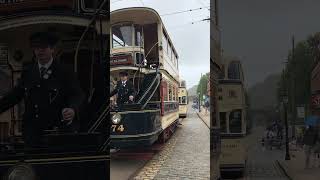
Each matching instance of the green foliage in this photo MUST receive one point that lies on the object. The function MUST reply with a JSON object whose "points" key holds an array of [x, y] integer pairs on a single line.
{"points": [[296, 77], [202, 85]]}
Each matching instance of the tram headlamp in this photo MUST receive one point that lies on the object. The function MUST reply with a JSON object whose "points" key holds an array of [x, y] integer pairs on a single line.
{"points": [[116, 118], [21, 172]]}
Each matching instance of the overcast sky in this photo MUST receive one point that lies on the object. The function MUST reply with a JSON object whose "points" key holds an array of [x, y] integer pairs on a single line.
{"points": [[192, 41], [259, 31]]}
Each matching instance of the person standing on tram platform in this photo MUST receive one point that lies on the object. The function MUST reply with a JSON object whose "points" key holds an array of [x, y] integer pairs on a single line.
{"points": [[124, 89], [51, 92]]}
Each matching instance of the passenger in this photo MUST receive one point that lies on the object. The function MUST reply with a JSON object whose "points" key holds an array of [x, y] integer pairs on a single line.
{"points": [[124, 90], [51, 92]]}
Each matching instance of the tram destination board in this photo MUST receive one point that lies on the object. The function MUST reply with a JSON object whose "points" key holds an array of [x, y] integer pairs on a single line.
{"points": [[121, 60], [12, 6]]}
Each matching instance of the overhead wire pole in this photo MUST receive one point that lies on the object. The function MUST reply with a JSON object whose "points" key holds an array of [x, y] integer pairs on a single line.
{"points": [[293, 100]]}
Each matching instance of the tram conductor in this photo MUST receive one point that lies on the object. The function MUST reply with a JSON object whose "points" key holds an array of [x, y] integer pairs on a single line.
{"points": [[124, 89], [51, 92]]}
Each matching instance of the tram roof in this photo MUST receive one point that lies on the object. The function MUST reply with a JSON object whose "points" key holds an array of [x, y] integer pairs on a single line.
{"points": [[138, 15]]}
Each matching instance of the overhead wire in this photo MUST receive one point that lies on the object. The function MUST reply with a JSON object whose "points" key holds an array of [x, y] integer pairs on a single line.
{"points": [[189, 10], [116, 1]]}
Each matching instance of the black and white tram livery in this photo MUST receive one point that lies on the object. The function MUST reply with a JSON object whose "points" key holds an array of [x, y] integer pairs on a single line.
{"points": [[82, 27], [141, 46]]}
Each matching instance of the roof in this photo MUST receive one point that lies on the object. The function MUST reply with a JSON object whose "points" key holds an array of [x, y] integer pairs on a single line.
{"points": [[138, 15]]}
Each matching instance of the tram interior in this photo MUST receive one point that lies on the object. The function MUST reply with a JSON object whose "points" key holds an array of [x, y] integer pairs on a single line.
{"points": [[90, 72]]}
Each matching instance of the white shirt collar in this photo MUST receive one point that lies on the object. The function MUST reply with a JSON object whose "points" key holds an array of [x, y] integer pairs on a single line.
{"points": [[123, 82], [47, 65]]}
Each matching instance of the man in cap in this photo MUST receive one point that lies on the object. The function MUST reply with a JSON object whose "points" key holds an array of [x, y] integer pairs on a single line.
{"points": [[124, 89], [51, 92]]}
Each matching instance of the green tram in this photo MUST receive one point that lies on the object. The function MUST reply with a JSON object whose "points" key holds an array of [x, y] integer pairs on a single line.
{"points": [[82, 27], [142, 47], [233, 118]]}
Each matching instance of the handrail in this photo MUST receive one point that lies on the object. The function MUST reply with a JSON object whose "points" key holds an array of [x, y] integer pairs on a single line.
{"points": [[147, 91], [84, 33], [150, 96]]}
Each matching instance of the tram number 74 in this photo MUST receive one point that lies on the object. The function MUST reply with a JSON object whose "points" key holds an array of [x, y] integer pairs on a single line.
{"points": [[118, 128]]}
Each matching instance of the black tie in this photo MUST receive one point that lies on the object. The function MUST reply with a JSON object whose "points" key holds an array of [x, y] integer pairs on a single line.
{"points": [[42, 71]]}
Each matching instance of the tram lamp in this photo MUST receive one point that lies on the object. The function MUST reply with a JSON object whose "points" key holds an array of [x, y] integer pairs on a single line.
{"points": [[21, 171], [116, 118]]}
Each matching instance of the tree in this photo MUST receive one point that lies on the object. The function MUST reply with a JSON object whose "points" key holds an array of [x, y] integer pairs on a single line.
{"points": [[297, 74], [202, 85]]}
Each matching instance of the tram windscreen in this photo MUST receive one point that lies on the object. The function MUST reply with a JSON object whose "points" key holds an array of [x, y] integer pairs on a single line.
{"points": [[235, 123], [184, 100], [122, 36]]}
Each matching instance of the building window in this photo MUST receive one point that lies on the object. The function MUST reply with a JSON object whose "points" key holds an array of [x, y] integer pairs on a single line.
{"points": [[220, 98], [219, 89]]}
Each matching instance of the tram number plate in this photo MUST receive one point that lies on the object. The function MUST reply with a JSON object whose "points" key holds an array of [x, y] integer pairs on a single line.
{"points": [[117, 128]]}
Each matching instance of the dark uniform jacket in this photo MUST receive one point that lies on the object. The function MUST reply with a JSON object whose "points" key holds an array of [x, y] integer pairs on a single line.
{"points": [[44, 98], [123, 92]]}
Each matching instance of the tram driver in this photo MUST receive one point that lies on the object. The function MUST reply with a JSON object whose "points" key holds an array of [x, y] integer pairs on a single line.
{"points": [[51, 92], [124, 90]]}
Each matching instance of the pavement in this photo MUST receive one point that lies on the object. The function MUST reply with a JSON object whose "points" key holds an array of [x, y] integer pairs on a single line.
{"points": [[205, 116], [295, 167]]}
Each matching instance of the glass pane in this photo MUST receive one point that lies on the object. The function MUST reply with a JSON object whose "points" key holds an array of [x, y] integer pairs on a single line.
{"points": [[223, 122], [184, 99], [121, 36], [235, 124], [234, 70], [138, 36]]}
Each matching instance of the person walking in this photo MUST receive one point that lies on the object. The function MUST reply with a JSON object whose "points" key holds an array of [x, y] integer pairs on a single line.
{"points": [[309, 141]]}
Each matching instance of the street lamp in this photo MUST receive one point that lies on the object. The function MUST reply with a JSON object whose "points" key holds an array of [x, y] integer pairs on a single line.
{"points": [[199, 102], [285, 103]]}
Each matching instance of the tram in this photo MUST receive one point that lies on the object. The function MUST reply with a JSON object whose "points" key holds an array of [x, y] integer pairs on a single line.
{"points": [[233, 118], [142, 47], [82, 27], [183, 100]]}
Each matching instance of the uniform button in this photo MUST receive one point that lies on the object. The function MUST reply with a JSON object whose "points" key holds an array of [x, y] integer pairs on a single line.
{"points": [[38, 85], [37, 115], [55, 89], [36, 106]]}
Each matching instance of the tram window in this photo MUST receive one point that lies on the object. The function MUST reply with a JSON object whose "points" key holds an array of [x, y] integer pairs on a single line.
{"points": [[121, 36], [174, 93], [139, 58], [235, 124], [164, 43], [184, 100], [138, 36], [232, 94], [4, 131], [223, 121], [169, 51], [170, 92], [234, 70]]}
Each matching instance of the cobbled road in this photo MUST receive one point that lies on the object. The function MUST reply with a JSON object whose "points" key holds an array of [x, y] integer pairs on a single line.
{"points": [[186, 155]]}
